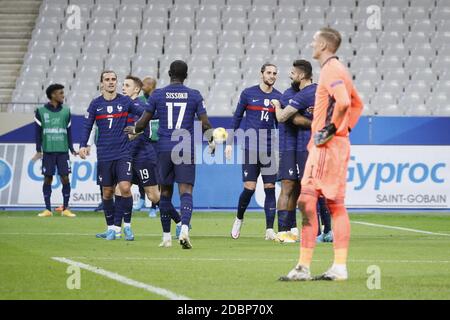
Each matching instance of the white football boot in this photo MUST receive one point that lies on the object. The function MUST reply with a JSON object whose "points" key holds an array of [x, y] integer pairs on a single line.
{"points": [[185, 242], [270, 235], [299, 273], [166, 241], [236, 230], [335, 273]]}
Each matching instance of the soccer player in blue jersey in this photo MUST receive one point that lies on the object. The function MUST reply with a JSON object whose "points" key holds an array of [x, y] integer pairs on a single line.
{"points": [[114, 166], [296, 113], [177, 106], [53, 142], [259, 156], [148, 86], [143, 160]]}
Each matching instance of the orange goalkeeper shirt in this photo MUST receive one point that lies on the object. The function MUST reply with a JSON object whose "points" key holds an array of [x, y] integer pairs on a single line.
{"points": [[334, 90]]}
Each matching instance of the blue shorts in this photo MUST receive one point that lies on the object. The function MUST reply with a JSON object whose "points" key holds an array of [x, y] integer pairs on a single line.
{"points": [[110, 173], [288, 166], [302, 156], [170, 172], [144, 174], [53, 161], [256, 163]]}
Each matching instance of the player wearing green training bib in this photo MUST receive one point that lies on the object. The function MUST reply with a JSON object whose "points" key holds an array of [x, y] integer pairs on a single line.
{"points": [[53, 142]]}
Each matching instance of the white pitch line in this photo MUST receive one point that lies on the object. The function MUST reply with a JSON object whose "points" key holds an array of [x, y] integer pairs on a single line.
{"points": [[119, 278], [253, 260], [400, 228]]}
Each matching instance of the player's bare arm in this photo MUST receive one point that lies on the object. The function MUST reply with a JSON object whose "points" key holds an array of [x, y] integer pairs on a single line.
{"points": [[207, 130], [301, 121]]}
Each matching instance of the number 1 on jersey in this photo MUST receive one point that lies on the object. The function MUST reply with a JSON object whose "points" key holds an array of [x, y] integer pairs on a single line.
{"points": [[170, 106]]}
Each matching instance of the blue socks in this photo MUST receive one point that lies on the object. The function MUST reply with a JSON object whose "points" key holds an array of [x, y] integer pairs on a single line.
{"points": [[174, 214], [108, 207], [270, 207], [244, 200], [293, 218], [283, 221], [165, 210], [324, 215], [118, 211], [127, 208], [47, 191], [186, 208], [66, 195]]}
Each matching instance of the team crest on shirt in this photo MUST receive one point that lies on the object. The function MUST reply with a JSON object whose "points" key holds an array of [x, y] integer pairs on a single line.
{"points": [[110, 109], [266, 102]]}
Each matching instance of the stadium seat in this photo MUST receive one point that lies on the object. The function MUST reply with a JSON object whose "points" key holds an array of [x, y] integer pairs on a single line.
{"points": [[368, 49], [436, 101], [417, 14], [104, 11], [207, 11], [313, 12], [396, 25], [339, 13], [154, 23], [441, 13], [212, 23], [185, 23], [199, 60], [237, 24], [392, 13], [414, 62], [149, 47], [261, 24], [310, 25], [245, 3], [234, 12], [204, 35], [211, 49], [362, 62], [320, 3], [231, 48], [260, 12], [269, 3], [183, 48], [71, 35], [286, 13], [129, 23]]}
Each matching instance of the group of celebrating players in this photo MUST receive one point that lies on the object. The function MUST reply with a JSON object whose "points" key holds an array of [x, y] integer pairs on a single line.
{"points": [[314, 121]]}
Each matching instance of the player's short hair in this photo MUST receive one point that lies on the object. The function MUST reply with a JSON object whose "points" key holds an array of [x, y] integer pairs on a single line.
{"points": [[267, 64], [332, 37], [137, 82], [106, 71], [52, 88], [178, 70], [304, 66]]}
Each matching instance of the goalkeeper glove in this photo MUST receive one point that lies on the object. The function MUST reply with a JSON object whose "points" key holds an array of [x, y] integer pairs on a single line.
{"points": [[324, 135]]}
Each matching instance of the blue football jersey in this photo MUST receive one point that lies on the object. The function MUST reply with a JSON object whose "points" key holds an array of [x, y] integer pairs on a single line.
{"points": [[111, 118], [287, 131], [141, 148], [177, 107], [304, 101], [259, 115]]}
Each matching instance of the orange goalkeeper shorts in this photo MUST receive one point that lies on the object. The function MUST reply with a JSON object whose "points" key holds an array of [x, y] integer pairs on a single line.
{"points": [[326, 169]]}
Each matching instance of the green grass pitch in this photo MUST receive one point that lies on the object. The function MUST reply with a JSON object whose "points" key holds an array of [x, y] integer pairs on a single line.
{"points": [[412, 265]]}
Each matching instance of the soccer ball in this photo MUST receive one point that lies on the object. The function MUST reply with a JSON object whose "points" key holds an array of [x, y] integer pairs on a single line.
{"points": [[220, 135]]}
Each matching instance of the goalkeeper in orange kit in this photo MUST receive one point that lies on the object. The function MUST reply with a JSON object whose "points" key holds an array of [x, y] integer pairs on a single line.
{"points": [[336, 111]]}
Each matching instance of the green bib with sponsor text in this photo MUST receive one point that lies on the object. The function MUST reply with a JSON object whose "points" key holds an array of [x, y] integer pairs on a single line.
{"points": [[54, 129]]}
